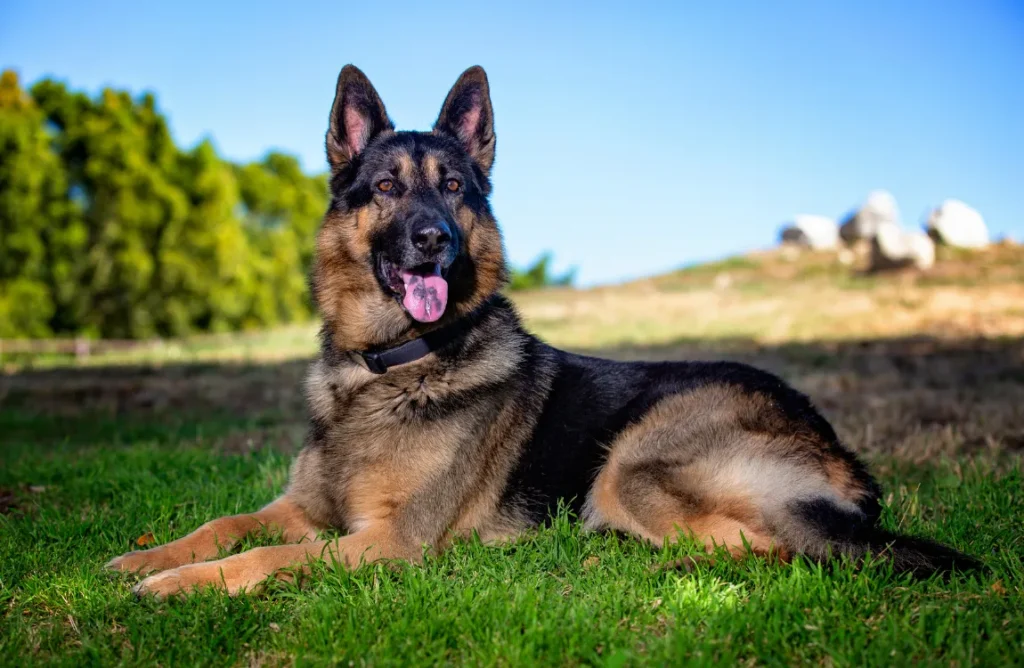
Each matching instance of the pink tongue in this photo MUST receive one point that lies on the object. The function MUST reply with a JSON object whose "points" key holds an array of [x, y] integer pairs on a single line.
{"points": [[425, 296]]}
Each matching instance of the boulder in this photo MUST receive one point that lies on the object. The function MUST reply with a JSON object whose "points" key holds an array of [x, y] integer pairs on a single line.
{"points": [[954, 223], [810, 231], [893, 247], [880, 207]]}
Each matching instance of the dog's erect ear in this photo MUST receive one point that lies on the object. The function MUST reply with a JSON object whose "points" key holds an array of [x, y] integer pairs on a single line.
{"points": [[467, 116], [357, 116]]}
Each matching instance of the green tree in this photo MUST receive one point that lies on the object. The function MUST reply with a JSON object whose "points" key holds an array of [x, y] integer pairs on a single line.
{"points": [[203, 257], [109, 229], [281, 208], [120, 160], [33, 206]]}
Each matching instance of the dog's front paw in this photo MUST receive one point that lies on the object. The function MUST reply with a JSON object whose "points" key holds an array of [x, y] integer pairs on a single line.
{"points": [[221, 575], [164, 584], [146, 561], [140, 561], [181, 580]]}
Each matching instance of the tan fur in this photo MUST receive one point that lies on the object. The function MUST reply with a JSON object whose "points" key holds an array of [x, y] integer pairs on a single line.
{"points": [[732, 534], [689, 466], [481, 511], [345, 288], [393, 455], [283, 516], [407, 169], [249, 570], [431, 170], [842, 481], [488, 256]]}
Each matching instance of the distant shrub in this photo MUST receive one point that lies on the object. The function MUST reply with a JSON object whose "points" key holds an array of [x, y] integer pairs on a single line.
{"points": [[538, 275]]}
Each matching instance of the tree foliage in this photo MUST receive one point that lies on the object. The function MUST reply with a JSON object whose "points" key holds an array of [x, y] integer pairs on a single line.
{"points": [[109, 229]]}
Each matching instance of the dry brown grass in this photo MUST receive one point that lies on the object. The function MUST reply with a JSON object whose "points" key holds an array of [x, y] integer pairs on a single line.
{"points": [[778, 296]]}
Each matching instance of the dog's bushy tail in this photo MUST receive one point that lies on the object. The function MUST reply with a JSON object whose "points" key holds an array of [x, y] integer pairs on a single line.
{"points": [[921, 556], [821, 529]]}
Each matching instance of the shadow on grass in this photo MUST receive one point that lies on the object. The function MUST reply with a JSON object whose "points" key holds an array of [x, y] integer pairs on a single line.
{"points": [[913, 398]]}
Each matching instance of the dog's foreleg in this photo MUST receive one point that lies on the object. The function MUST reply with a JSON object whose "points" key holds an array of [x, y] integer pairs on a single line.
{"points": [[248, 570], [283, 515]]}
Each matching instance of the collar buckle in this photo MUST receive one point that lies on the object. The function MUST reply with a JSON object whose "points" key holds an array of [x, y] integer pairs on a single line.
{"points": [[374, 363]]}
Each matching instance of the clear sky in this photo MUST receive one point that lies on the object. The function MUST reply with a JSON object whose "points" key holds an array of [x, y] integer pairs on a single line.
{"points": [[632, 138]]}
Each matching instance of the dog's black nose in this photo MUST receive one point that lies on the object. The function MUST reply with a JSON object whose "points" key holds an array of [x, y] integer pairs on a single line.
{"points": [[432, 238]]}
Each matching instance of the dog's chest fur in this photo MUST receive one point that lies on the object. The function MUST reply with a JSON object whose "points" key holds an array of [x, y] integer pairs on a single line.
{"points": [[431, 433]]}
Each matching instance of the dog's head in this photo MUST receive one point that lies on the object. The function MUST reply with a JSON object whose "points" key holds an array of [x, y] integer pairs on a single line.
{"points": [[409, 242]]}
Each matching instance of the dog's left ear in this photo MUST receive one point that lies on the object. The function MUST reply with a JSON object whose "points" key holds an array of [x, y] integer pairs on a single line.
{"points": [[467, 116]]}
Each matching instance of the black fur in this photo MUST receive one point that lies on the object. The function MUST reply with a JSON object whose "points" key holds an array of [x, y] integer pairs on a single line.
{"points": [[841, 532]]}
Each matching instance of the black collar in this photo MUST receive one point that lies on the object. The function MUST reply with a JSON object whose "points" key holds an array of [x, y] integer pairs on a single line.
{"points": [[379, 361]]}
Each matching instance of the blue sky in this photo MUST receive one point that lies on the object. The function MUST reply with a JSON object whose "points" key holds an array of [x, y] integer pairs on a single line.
{"points": [[632, 138]]}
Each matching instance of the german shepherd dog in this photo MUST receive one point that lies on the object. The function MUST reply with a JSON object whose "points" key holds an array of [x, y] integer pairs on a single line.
{"points": [[434, 414]]}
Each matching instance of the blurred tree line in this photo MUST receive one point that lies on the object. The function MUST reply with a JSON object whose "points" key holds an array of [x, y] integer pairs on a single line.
{"points": [[108, 229]]}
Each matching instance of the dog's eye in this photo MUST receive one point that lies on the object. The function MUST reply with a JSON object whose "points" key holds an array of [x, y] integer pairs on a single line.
{"points": [[386, 186], [452, 185]]}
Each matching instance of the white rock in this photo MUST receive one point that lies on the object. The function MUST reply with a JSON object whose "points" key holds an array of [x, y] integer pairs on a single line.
{"points": [[810, 231], [880, 207], [956, 224], [892, 247]]}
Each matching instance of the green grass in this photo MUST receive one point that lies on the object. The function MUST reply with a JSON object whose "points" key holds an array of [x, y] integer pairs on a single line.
{"points": [[560, 596]]}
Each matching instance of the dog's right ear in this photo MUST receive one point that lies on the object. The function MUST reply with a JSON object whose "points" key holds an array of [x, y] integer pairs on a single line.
{"points": [[357, 116]]}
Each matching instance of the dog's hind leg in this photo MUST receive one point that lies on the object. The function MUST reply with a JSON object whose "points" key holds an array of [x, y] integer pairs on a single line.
{"points": [[694, 465], [717, 468], [642, 500], [282, 515]]}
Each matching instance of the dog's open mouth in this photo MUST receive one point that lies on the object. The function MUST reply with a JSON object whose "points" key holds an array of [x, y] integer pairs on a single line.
{"points": [[422, 290]]}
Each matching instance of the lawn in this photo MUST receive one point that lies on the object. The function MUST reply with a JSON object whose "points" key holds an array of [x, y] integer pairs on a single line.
{"points": [[929, 388]]}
